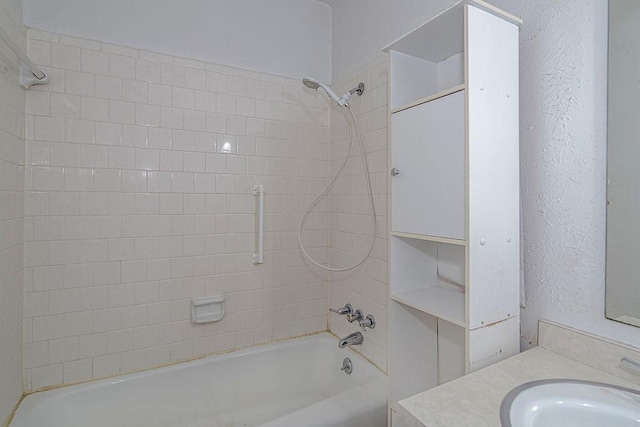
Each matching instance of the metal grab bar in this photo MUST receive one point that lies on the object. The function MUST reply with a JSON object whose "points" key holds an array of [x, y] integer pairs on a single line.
{"points": [[258, 257], [39, 77]]}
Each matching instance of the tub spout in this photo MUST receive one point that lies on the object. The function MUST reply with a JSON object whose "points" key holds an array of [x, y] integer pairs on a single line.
{"points": [[351, 339]]}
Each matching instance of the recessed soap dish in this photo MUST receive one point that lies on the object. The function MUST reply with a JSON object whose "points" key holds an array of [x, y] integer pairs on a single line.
{"points": [[208, 309]]}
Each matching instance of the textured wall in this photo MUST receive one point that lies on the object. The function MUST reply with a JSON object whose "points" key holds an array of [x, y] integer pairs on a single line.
{"points": [[12, 134], [133, 208], [365, 287], [562, 138], [563, 161], [284, 37]]}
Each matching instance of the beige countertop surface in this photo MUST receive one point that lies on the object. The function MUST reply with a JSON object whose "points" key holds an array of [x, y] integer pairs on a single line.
{"points": [[474, 400]]}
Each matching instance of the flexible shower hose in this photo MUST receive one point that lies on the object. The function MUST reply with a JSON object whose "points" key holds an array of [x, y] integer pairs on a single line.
{"points": [[349, 113]]}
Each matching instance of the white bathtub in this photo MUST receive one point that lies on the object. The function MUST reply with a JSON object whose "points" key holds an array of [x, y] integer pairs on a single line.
{"points": [[294, 383]]}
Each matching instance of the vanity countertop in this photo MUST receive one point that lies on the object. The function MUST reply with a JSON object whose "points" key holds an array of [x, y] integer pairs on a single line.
{"points": [[474, 400]]}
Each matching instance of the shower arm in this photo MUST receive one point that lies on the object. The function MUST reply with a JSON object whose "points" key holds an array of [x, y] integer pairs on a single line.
{"points": [[358, 89], [345, 98]]}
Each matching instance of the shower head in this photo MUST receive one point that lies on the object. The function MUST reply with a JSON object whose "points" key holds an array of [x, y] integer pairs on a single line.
{"points": [[344, 101], [314, 84], [310, 83]]}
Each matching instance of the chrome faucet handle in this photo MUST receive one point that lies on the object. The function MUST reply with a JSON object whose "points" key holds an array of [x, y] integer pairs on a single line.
{"points": [[347, 366], [356, 315], [347, 309], [368, 322]]}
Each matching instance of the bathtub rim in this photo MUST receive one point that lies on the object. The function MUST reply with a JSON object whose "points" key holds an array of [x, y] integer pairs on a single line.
{"points": [[326, 336]]}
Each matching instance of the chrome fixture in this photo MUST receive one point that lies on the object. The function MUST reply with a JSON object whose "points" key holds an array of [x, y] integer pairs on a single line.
{"points": [[395, 172], [368, 322], [355, 338], [347, 366], [312, 83], [358, 89], [345, 98], [356, 315], [347, 309]]}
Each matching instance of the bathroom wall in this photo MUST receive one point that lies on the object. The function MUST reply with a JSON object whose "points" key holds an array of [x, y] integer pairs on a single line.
{"points": [[12, 134], [350, 226], [285, 37], [562, 140], [132, 208], [139, 197]]}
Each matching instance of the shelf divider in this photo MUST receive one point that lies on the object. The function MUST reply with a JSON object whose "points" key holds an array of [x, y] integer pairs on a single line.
{"points": [[430, 98], [442, 302], [430, 238]]}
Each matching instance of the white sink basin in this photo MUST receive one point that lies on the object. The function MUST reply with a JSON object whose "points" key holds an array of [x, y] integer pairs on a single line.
{"points": [[569, 403]]}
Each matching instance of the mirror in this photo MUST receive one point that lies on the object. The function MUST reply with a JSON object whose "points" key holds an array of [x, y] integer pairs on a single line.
{"points": [[623, 163]]}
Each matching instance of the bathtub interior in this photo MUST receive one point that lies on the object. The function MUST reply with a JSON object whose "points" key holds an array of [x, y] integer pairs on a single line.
{"points": [[362, 406], [244, 388]]}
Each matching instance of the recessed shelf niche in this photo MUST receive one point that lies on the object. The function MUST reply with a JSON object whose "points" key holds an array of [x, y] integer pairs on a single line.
{"points": [[429, 276], [421, 69]]}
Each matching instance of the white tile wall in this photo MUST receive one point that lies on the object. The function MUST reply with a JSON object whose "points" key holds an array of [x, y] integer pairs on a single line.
{"points": [[139, 186], [12, 134], [365, 288]]}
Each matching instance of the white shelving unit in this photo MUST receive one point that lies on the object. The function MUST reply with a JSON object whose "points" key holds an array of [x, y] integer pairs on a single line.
{"points": [[439, 301], [454, 222]]}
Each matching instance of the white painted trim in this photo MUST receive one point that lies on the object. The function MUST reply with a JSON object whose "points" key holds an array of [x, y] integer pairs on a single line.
{"points": [[430, 98], [429, 238], [487, 7]]}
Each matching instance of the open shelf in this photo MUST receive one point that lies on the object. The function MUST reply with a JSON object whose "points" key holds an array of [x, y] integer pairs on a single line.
{"points": [[430, 98], [441, 301], [436, 239], [428, 60], [435, 40]]}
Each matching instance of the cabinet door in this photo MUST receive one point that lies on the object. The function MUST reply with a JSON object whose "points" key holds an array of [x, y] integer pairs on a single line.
{"points": [[427, 148]]}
